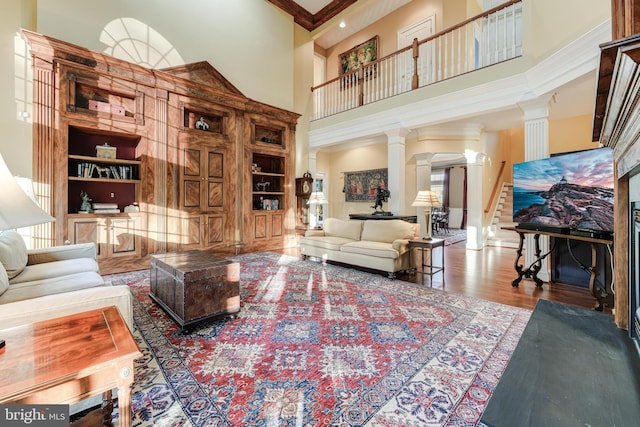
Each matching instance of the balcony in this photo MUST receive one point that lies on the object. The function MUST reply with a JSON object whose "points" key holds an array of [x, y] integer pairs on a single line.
{"points": [[490, 38]]}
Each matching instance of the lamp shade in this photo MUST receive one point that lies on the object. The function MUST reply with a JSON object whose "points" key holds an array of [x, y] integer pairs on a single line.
{"points": [[16, 208], [426, 198], [317, 198]]}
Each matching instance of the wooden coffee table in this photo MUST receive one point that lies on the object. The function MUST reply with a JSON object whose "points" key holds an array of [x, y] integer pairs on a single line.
{"points": [[194, 286], [65, 360]]}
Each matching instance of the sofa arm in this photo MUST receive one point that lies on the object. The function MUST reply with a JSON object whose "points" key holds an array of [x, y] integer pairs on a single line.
{"points": [[66, 303], [400, 245], [59, 253], [313, 232]]}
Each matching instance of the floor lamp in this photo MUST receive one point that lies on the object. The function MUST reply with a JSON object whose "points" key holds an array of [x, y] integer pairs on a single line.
{"points": [[428, 199], [317, 198]]}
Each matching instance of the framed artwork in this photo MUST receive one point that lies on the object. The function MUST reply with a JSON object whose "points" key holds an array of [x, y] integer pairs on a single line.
{"points": [[361, 186], [359, 55]]}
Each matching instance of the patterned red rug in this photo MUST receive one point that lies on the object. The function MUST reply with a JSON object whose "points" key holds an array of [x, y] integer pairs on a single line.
{"points": [[321, 345]]}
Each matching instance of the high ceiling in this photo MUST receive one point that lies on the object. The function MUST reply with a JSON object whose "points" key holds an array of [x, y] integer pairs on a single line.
{"points": [[311, 14]]}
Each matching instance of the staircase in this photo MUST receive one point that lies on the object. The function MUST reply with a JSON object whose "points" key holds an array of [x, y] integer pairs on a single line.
{"points": [[503, 217]]}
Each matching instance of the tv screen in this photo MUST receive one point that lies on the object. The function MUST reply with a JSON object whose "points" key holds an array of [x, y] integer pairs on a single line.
{"points": [[572, 191]]}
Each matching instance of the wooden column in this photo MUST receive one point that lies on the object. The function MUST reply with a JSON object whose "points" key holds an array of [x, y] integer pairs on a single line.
{"points": [[44, 98]]}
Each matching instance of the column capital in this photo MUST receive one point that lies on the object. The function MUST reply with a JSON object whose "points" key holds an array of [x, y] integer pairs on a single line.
{"points": [[423, 159], [474, 157], [537, 108], [397, 133]]}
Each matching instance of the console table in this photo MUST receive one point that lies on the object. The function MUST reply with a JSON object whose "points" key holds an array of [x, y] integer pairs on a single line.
{"points": [[409, 218], [603, 296]]}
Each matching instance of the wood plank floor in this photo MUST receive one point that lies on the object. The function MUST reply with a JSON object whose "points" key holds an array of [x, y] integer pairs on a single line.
{"points": [[485, 274], [488, 273]]}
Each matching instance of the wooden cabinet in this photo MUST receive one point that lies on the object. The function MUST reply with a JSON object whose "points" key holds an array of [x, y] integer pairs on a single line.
{"points": [[114, 235], [185, 140], [270, 184]]}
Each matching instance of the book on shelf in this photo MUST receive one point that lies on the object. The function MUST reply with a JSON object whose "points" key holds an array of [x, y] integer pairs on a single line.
{"points": [[104, 205], [106, 210]]}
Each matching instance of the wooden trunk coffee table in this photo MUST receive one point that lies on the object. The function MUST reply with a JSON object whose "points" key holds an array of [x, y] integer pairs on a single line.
{"points": [[194, 286], [67, 359]]}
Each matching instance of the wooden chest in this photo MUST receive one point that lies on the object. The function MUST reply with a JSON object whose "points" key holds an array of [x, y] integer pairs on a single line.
{"points": [[194, 286]]}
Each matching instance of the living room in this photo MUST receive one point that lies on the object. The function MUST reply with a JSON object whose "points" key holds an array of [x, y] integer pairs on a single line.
{"points": [[489, 114]]}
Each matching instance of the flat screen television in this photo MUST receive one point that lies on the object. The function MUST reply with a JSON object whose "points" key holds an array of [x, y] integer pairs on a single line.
{"points": [[570, 193]]}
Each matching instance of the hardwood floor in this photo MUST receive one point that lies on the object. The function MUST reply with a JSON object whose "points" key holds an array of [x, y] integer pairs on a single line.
{"points": [[488, 273], [485, 274]]}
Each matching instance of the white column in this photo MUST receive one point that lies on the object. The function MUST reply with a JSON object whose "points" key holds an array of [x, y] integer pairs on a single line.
{"points": [[396, 161], [423, 182], [536, 146], [474, 200], [313, 168]]}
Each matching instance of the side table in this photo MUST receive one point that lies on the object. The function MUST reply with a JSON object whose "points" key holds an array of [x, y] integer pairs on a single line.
{"points": [[70, 358], [430, 245]]}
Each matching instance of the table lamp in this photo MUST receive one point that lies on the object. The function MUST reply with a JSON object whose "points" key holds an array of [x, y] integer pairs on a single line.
{"points": [[428, 199], [317, 198], [17, 209]]}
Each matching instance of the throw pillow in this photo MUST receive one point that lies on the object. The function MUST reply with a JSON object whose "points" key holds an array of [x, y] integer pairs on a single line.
{"points": [[4, 279], [13, 252]]}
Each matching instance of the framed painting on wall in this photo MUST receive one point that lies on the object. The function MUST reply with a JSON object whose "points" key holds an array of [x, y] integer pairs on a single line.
{"points": [[361, 186], [361, 54]]}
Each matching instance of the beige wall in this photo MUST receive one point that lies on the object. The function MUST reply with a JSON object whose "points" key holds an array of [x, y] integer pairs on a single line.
{"points": [[387, 31], [15, 142], [258, 56]]}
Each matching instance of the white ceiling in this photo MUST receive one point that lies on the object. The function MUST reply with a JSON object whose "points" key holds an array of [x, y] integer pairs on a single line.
{"points": [[355, 21]]}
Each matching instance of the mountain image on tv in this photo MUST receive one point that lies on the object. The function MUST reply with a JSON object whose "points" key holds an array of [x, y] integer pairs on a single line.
{"points": [[573, 190]]}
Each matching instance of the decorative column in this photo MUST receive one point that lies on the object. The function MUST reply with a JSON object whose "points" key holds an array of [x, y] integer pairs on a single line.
{"points": [[313, 168], [396, 162], [45, 163], [536, 146], [423, 182], [474, 200]]}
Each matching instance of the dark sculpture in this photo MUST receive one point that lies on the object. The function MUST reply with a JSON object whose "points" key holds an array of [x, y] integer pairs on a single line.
{"points": [[382, 194]]}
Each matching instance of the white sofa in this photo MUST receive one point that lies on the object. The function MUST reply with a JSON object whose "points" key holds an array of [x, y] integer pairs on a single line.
{"points": [[376, 244], [41, 284]]}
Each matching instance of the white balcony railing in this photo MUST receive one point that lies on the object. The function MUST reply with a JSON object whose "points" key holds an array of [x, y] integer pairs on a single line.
{"points": [[487, 39]]}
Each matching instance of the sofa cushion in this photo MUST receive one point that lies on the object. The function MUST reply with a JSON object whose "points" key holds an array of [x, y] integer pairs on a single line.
{"points": [[55, 285], [369, 248], [386, 230], [347, 228], [4, 279], [325, 242], [13, 252], [55, 269]]}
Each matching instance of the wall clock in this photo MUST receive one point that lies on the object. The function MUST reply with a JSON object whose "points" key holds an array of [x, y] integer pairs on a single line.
{"points": [[303, 185]]}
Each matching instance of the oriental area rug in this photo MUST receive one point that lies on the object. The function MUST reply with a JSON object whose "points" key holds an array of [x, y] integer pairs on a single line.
{"points": [[322, 345]]}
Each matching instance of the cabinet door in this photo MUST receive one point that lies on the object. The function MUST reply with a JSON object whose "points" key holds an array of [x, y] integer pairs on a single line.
{"points": [[202, 178], [89, 229], [124, 237], [268, 225]]}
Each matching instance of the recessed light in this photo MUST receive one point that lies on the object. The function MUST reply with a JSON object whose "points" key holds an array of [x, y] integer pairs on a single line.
{"points": [[342, 24]]}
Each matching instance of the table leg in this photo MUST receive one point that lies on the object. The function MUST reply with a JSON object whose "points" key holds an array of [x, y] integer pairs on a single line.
{"points": [[518, 267], [537, 266], [107, 408], [603, 296]]}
